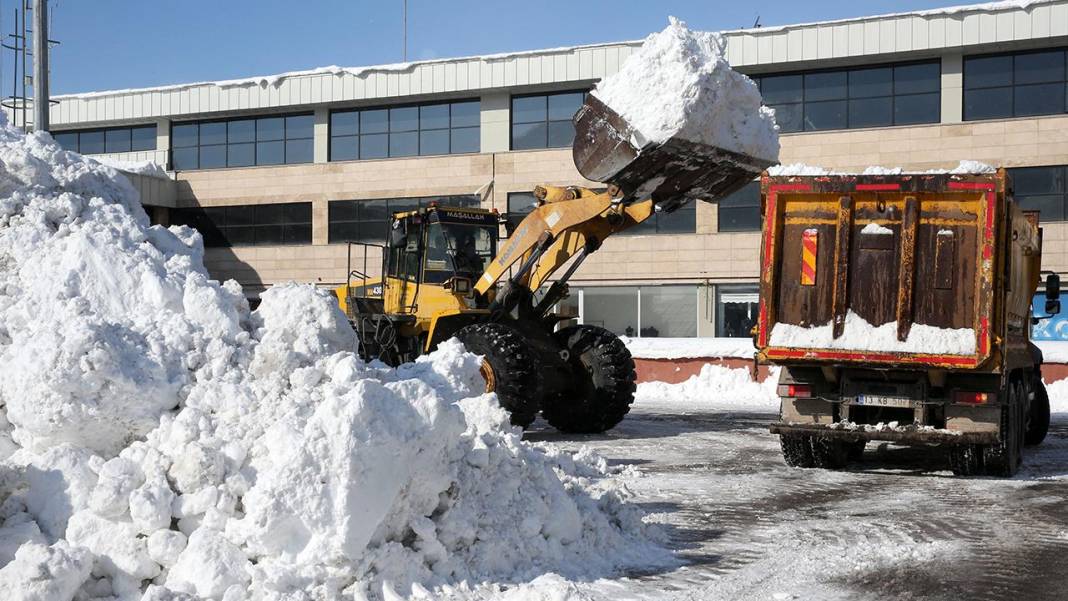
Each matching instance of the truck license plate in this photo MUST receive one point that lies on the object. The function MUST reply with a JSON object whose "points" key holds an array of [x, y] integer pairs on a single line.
{"points": [[878, 400]]}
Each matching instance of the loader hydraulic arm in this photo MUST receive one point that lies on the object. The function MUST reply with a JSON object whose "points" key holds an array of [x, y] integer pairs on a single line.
{"points": [[569, 222]]}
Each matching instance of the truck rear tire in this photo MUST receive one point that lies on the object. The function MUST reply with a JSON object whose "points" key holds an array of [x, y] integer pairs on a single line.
{"points": [[604, 382], [830, 453], [1003, 458], [796, 450], [510, 368], [966, 460], [1038, 422]]}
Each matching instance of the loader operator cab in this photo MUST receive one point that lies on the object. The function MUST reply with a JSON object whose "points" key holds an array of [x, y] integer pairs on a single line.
{"points": [[442, 246]]}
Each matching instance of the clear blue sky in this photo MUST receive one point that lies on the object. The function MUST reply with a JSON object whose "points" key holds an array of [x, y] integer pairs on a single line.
{"points": [[108, 44]]}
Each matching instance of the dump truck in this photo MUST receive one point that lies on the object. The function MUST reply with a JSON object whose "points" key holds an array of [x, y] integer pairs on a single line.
{"points": [[445, 273], [899, 309]]}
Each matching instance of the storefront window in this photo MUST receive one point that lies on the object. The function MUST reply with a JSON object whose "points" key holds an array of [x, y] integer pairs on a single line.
{"points": [[736, 310], [668, 311], [613, 308]]}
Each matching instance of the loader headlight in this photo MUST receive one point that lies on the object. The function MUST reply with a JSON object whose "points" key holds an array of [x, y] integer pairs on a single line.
{"points": [[459, 285]]}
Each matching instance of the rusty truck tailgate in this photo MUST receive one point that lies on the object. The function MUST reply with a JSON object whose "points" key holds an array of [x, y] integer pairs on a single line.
{"points": [[879, 269]]}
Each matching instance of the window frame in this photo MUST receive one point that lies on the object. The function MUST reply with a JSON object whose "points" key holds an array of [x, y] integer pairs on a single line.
{"points": [[1013, 85], [255, 141], [217, 236], [127, 129], [512, 122], [848, 97], [403, 203], [418, 131], [753, 185], [1063, 193]]}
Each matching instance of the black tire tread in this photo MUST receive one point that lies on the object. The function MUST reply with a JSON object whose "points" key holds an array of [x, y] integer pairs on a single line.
{"points": [[605, 371], [829, 453], [796, 450], [515, 367], [1038, 424]]}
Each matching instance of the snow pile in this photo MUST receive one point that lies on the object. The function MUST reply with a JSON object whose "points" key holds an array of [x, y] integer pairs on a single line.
{"points": [[1053, 351], [1058, 395], [794, 169], [147, 168], [689, 348], [716, 387], [876, 229], [890, 427], [859, 335], [679, 84], [161, 442]]}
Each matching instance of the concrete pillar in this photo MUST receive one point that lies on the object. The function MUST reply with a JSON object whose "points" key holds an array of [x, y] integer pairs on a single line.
{"points": [[320, 219], [163, 140], [952, 88], [706, 310], [321, 151], [496, 122]]}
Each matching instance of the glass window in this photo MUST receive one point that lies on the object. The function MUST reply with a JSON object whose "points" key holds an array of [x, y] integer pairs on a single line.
{"points": [[112, 139], [545, 120], [91, 142], [851, 98], [368, 220], [117, 140], [740, 211], [736, 310], [1021, 84], [143, 137], [614, 308], [520, 204], [68, 140], [242, 142], [1043, 189], [682, 221], [240, 225], [668, 311], [440, 128]]}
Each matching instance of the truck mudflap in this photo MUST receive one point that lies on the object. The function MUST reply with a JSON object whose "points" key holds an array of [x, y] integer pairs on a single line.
{"points": [[906, 434]]}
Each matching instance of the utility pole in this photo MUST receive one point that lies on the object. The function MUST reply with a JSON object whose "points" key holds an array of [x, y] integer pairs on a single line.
{"points": [[40, 65], [405, 37]]}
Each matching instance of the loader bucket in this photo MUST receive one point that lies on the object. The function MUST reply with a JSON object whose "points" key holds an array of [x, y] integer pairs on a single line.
{"points": [[671, 172]]}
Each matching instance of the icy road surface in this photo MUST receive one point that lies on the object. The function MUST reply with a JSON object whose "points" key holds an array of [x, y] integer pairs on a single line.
{"points": [[895, 525]]}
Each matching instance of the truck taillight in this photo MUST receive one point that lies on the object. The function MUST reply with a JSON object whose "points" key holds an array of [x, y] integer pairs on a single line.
{"points": [[795, 391], [974, 398]]}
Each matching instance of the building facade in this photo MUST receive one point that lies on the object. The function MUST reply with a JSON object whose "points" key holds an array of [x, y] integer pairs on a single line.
{"points": [[277, 173]]}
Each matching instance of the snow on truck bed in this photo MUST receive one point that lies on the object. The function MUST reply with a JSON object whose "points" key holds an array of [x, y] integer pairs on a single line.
{"points": [[159, 441], [680, 84], [859, 335]]}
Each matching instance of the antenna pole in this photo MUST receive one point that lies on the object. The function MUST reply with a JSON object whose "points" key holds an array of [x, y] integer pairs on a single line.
{"points": [[40, 65], [405, 25]]}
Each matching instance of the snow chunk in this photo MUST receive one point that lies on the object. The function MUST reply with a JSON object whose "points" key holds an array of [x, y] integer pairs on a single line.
{"points": [[680, 84], [208, 566], [41, 573], [859, 335], [876, 229]]}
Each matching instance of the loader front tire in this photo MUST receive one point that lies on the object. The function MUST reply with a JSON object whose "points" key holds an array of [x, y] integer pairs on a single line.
{"points": [[604, 382], [509, 366]]}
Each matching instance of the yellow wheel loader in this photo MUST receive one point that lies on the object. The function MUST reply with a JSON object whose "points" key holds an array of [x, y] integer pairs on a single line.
{"points": [[444, 275]]}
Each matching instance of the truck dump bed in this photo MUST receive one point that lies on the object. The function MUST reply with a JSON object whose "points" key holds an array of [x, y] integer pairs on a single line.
{"points": [[891, 270]]}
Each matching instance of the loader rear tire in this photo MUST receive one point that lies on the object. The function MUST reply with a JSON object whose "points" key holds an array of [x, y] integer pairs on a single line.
{"points": [[604, 382], [1038, 422], [513, 371]]}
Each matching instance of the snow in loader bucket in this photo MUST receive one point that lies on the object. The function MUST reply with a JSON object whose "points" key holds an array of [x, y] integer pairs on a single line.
{"points": [[672, 172]]}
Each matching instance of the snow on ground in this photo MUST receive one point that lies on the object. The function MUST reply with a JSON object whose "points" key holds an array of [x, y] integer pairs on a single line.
{"points": [[159, 441], [689, 348], [679, 84], [1058, 396], [716, 387], [859, 335]]}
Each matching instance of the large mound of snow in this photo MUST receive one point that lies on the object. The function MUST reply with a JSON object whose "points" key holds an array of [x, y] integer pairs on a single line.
{"points": [[689, 348], [859, 335], [716, 387], [159, 441], [679, 83]]}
